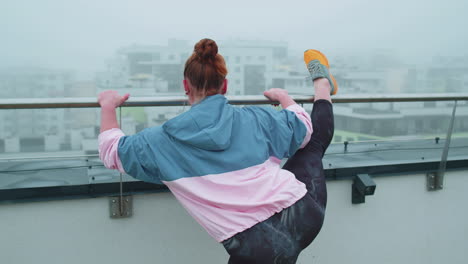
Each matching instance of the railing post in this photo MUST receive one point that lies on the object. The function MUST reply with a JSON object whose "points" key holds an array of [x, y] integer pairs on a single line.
{"points": [[121, 207], [435, 180], [121, 176]]}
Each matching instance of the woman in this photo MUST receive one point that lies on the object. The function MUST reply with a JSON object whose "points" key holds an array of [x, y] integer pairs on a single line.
{"points": [[223, 162]]}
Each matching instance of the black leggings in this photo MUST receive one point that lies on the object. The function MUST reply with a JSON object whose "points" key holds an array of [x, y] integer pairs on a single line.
{"points": [[281, 238]]}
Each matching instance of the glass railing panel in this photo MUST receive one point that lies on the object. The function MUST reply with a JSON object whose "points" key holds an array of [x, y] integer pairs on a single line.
{"points": [[459, 133], [135, 119], [46, 147], [58, 146], [367, 134], [360, 122]]}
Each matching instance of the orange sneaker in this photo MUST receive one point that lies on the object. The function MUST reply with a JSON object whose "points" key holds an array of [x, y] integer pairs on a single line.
{"points": [[318, 67]]}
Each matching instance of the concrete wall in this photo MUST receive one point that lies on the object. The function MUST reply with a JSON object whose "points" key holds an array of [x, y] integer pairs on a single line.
{"points": [[401, 223]]}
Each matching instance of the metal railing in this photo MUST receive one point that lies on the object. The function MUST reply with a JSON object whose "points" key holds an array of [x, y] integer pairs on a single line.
{"points": [[435, 179], [87, 102]]}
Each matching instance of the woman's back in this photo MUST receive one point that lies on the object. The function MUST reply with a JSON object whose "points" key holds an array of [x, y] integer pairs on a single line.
{"points": [[221, 162]]}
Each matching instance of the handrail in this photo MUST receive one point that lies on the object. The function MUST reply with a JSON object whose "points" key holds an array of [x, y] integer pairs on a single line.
{"points": [[86, 102]]}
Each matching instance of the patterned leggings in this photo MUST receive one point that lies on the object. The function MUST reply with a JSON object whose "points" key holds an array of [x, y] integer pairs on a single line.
{"points": [[281, 238]]}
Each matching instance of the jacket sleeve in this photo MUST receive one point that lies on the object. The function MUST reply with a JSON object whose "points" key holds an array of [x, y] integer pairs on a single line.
{"points": [[284, 131], [306, 120], [138, 157], [108, 144]]}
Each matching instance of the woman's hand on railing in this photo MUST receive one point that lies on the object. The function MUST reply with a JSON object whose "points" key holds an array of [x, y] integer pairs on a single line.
{"points": [[109, 100], [279, 95], [112, 99]]}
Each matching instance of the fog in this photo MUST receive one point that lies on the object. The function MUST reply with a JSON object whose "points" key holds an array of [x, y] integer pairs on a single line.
{"points": [[80, 35]]}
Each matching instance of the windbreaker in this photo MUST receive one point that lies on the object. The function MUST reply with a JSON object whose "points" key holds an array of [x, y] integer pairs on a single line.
{"points": [[220, 161]]}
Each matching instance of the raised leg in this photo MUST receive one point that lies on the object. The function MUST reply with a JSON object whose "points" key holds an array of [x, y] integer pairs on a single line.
{"points": [[306, 164]]}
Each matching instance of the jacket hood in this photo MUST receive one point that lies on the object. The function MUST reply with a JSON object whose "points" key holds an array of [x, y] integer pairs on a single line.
{"points": [[207, 125]]}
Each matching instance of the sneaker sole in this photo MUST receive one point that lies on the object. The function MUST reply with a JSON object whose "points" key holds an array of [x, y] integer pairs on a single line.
{"points": [[323, 58]]}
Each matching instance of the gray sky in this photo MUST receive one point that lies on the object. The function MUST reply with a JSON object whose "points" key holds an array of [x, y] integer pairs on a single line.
{"points": [[81, 34]]}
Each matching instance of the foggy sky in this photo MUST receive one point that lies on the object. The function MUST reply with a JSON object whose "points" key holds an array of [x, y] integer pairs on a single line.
{"points": [[80, 35]]}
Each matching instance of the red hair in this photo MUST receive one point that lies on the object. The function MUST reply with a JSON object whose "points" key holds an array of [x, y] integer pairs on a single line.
{"points": [[206, 69]]}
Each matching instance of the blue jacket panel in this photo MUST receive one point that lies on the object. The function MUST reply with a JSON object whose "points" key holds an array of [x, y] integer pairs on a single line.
{"points": [[212, 137]]}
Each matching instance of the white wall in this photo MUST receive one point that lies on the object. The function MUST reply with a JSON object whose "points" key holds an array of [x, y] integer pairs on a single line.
{"points": [[81, 232], [401, 223]]}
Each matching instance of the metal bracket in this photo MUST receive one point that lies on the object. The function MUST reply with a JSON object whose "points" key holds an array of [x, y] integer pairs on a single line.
{"points": [[431, 181], [435, 180], [121, 207], [362, 186]]}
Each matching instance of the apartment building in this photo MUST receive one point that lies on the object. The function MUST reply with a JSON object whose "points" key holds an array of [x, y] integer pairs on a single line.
{"points": [[33, 129]]}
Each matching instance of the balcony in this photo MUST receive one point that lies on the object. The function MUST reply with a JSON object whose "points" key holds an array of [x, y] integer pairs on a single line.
{"points": [[55, 202]]}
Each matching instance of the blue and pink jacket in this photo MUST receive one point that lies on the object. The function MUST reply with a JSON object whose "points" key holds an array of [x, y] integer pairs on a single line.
{"points": [[221, 162]]}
